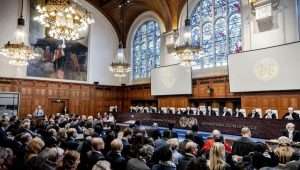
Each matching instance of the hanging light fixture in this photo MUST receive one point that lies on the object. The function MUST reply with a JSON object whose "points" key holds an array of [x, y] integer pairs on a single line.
{"points": [[63, 19], [120, 66], [16, 51], [184, 48]]}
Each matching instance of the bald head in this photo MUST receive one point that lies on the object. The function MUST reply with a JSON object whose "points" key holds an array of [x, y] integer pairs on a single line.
{"points": [[246, 132], [216, 133], [97, 144]]}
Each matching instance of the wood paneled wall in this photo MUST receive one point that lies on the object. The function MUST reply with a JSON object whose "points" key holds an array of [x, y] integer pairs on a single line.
{"points": [[90, 99], [79, 98]]}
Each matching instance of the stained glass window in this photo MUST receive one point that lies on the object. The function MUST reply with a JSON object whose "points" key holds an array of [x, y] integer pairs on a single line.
{"points": [[216, 25], [146, 49]]}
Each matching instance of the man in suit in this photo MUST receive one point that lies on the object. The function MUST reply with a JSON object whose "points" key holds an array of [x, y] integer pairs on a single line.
{"points": [[210, 112], [270, 114], [238, 113], [254, 114], [291, 133], [291, 115], [95, 154], [115, 157], [245, 144], [139, 163], [191, 150], [226, 112]]}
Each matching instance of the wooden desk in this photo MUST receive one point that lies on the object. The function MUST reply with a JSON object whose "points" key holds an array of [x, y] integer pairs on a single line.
{"points": [[261, 128]]}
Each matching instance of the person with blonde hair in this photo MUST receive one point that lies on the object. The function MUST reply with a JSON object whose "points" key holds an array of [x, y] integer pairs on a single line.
{"points": [[174, 144], [71, 160], [284, 151], [34, 147], [115, 157], [217, 157]]}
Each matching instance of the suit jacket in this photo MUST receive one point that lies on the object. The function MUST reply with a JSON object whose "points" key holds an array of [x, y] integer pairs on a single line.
{"points": [[93, 157], [116, 160], [243, 146], [294, 115], [227, 114], [185, 161], [211, 113], [273, 115], [136, 164], [296, 135], [239, 114]]}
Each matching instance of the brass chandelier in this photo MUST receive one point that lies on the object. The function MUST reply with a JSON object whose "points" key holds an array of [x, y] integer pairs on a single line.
{"points": [[120, 67], [63, 19], [185, 50], [16, 51]]}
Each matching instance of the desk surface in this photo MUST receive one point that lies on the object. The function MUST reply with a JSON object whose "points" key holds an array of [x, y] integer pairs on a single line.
{"points": [[261, 128]]}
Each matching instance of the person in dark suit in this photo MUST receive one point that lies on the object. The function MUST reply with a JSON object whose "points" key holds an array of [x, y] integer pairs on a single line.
{"points": [[139, 163], [291, 133], [254, 114], [95, 154], [191, 150], [245, 144], [226, 112], [238, 113], [165, 159], [115, 157], [291, 115], [270, 114], [71, 143], [210, 112]]}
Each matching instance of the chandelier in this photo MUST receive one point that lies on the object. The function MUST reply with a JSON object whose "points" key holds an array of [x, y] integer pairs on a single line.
{"points": [[185, 50], [63, 19], [17, 52], [120, 67]]}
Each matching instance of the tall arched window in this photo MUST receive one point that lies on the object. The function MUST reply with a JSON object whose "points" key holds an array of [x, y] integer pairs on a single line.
{"points": [[146, 49], [216, 25]]}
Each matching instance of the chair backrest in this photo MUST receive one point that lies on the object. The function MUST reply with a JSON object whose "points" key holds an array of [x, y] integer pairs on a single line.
{"points": [[297, 111], [164, 109]]}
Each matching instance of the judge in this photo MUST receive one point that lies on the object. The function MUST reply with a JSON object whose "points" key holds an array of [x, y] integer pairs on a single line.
{"points": [[291, 115], [226, 112], [39, 112], [210, 112], [254, 114], [291, 133], [238, 113], [270, 115]]}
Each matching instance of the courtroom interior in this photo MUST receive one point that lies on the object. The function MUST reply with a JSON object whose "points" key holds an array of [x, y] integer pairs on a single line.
{"points": [[149, 84]]}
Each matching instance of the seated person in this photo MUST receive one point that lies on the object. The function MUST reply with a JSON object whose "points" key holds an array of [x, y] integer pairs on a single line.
{"points": [[189, 111], [245, 144], [270, 114], [284, 151], [291, 115], [238, 113], [146, 109], [254, 114], [210, 112], [226, 112], [153, 109], [194, 111], [291, 133]]}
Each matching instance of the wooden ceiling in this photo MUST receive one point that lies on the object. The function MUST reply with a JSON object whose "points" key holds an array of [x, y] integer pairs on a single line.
{"points": [[168, 10]]}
